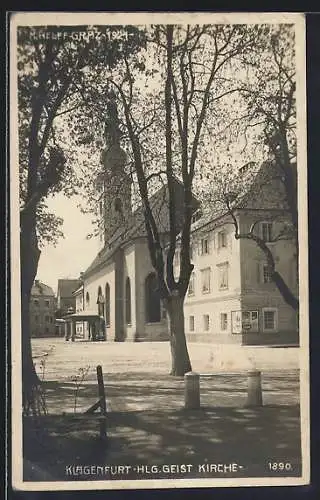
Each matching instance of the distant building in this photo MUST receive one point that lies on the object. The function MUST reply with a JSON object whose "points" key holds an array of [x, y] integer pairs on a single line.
{"points": [[66, 301], [42, 310], [81, 327]]}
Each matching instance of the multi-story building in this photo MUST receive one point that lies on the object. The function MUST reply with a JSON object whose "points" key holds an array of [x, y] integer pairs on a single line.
{"points": [[231, 297], [42, 310]]}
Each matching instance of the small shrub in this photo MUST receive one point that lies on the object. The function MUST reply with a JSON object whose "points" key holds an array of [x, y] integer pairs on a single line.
{"points": [[78, 380]]}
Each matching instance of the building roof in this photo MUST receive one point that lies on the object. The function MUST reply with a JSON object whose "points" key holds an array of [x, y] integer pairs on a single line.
{"points": [[39, 288], [66, 287], [78, 290], [264, 191], [135, 226], [83, 315]]}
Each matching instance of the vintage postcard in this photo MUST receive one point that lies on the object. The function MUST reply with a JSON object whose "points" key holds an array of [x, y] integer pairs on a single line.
{"points": [[159, 274]]}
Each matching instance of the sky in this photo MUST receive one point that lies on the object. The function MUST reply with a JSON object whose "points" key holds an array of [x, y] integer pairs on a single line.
{"points": [[72, 254]]}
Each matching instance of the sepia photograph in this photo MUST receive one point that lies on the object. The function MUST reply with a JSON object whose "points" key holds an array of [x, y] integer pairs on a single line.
{"points": [[159, 244]]}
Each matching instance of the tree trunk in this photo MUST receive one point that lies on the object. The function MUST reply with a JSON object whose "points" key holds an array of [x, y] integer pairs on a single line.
{"points": [[282, 286], [179, 351], [32, 396], [285, 291]]}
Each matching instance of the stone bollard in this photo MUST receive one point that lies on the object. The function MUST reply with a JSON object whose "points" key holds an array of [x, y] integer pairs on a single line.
{"points": [[192, 390], [254, 397]]}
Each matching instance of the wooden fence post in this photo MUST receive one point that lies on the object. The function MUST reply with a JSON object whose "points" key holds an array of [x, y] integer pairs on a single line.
{"points": [[102, 399]]}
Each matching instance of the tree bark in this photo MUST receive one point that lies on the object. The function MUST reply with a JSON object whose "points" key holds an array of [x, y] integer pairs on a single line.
{"points": [[276, 277], [32, 397], [285, 291], [179, 351]]}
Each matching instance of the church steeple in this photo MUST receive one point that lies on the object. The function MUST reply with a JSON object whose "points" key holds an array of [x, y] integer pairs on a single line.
{"points": [[112, 132], [115, 200]]}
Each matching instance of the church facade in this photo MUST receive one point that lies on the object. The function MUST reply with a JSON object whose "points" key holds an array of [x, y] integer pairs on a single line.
{"points": [[231, 298]]}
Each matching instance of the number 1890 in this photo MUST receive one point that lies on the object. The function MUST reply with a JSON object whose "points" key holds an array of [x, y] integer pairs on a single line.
{"points": [[279, 466]]}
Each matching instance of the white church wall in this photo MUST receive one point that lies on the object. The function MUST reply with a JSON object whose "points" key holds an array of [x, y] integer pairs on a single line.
{"points": [[130, 272], [144, 330], [91, 285]]}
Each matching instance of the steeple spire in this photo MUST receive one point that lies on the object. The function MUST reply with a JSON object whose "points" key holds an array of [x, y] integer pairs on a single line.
{"points": [[112, 132]]}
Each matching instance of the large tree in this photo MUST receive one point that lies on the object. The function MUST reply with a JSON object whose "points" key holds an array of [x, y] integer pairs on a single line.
{"points": [[166, 113], [52, 64], [270, 111]]}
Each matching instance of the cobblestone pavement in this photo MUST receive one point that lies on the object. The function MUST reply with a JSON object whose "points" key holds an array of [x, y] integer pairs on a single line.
{"points": [[67, 357], [136, 375]]}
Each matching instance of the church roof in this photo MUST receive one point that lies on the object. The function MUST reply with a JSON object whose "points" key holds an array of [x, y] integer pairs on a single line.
{"points": [[265, 191], [135, 226]]}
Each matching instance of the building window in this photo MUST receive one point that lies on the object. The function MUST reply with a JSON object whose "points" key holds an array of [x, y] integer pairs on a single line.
{"points": [[47, 303], [128, 301], [224, 321], [47, 330], [191, 284], [205, 280], [47, 319], [206, 322], [36, 318], [204, 246], [100, 302], [36, 302], [196, 216], [223, 275], [107, 299], [87, 299], [191, 323], [269, 319], [176, 259], [152, 299], [266, 231], [222, 239], [266, 274], [250, 321]]}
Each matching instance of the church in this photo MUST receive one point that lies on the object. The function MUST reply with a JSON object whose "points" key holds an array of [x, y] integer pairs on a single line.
{"points": [[231, 298], [121, 282]]}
